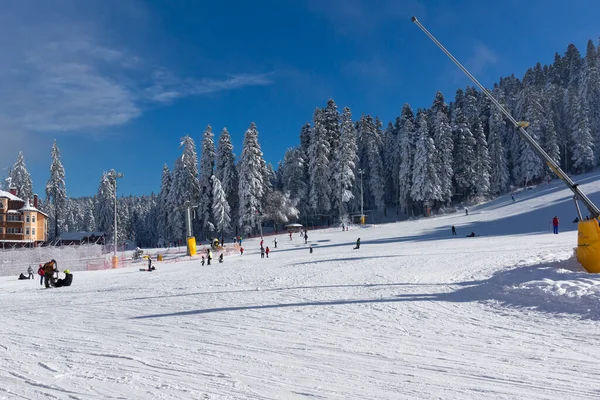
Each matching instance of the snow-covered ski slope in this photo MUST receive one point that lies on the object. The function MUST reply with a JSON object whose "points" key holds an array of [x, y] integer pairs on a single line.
{"points": [[414, 314]]}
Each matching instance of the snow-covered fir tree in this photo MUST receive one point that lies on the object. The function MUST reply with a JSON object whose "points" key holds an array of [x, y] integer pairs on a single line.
{"points": [[163, 210], [21, 179], [344, 166], [444, 146], [207, 166], [293, 169], [177, 197], [105, 205], [280, 208], [499, 178], [464, 149], [220, 208], [406, 145], [331, 123], [582, 145], [226, 171], [425, 181], [251, 182], [371, 144], [56, 191], [318, 166], [481, 162], [89, 222]]}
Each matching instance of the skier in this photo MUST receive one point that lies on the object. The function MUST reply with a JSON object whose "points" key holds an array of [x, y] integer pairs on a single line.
{"points": [[267, 251], [240, 240], [512, 196], [555, 224], [68, 279], [30, 272], [275, 241], [310, 249], [41, 274], [305, 237], [357, 244], [202, 260], [49, 269], [453, 230], [262, 252], [208, 256], [221, 258]]}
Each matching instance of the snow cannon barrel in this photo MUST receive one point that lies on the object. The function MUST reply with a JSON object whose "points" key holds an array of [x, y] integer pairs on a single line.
{"points": [[588, 245]]}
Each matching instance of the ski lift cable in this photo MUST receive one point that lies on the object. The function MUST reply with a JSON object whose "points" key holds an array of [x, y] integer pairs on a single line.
{"points": [[579, 195]]}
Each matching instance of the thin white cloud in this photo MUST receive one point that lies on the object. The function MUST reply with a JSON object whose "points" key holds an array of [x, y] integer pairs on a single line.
{"points": [[481, 59], [58, 74]]}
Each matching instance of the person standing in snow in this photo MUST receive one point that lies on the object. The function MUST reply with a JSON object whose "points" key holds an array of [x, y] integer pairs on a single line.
{"points": [[41, 274], [466, 211], [453, 230], [275, 241], [221, 258], [357, 244], [555, 224], [262, 241], [241, 251], [343, 228], [202, 261], [310, 249], [512, 196], [208, 256], [267, 251], [262, 252], [305, 237], [290, 235], [30, 272], [49, 268]]}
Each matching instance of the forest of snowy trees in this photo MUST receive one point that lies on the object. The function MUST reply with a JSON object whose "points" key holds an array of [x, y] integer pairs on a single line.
{"points": [[426, 159]]}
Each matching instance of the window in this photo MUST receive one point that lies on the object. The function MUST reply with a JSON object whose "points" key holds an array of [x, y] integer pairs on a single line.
{"points": [[1, 217], [33, 231], [13, 217], [1, 229], [33, 218], [27, 231], [27, 218], [14, 231]]}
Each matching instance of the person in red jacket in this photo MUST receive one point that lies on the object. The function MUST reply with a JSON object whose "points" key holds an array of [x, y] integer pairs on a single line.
{"points": [[267, 251], [555, 224]]}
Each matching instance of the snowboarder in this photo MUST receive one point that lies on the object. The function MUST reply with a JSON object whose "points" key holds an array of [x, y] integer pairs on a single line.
{"points": [[555, 224], [357, 244], [41, 274], [241, 251], [305, 237], [275, 241], [262, 252], [208, 256], [49, 268], [221, 258], [68, 279], [453, 230], [267, 251], [202, 261], [30, 272], [310, 249], [150, 267]]}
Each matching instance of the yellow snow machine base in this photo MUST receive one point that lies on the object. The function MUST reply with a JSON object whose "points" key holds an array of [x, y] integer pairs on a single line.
{"points": [[588, 245]]}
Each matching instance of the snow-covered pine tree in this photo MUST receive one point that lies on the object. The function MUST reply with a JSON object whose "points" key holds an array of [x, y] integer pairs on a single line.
{"points": [[499, 178], [464, 149], [589, 93], [331, 123], [56, 192], [582, 145], [177, 197], [21, 180], [280, 208], [481, 164], [89, 222], [220, 208], [318, 166], [444, 146], [425, 181], [406, 145], [389, 155], [226, 172], [105, 205], [163, 211], [343, 166], [292, 168], [207, 166], [251, 184]]}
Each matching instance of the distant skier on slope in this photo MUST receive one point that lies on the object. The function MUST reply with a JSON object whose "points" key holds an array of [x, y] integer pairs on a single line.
{"points": [[357, 244], [555, 225]]}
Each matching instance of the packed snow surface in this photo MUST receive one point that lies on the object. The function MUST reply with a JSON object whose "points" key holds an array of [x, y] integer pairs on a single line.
{"points": [[415, 313]]}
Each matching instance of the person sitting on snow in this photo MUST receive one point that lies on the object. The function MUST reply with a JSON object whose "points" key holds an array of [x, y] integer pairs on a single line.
{"points": [[357, 244], [67, 281], [221, 258], [472, 234]]}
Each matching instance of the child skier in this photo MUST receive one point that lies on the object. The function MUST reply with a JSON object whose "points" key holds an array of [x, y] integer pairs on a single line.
{"points": [[267, 251]]}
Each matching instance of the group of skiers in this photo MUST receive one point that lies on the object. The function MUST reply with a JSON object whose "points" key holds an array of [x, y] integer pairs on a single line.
{"points": [[48, 273]]}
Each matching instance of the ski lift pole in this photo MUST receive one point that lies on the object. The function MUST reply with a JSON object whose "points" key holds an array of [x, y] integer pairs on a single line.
{"points": [[594, 211]]}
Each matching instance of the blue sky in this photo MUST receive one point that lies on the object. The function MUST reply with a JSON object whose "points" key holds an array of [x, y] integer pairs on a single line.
{"points": [[118, 82]]}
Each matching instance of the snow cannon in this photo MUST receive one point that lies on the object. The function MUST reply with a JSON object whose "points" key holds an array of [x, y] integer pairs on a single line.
{"points": [[588, 242], [588, 245]]}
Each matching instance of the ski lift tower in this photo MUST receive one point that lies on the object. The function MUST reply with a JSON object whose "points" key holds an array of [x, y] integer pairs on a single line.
{"points": [[190, 238], [588, 242]]}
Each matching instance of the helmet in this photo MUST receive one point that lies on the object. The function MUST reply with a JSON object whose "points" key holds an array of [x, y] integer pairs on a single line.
{"points": [[66, 271], [41, 265]]}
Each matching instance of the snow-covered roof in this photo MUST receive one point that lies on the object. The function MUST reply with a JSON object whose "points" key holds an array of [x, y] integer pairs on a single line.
{"points": [[13, 212], [9, 196], [29, 207], [80, 235]]}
